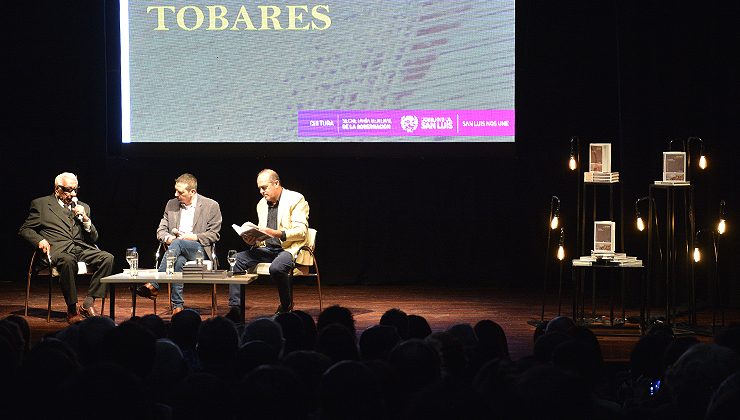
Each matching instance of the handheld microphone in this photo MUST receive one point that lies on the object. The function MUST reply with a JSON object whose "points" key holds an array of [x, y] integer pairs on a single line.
{"points": [[74, 201]]}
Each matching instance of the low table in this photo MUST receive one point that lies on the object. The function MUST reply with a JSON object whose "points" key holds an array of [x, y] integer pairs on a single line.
{"points": [[149, 276]]}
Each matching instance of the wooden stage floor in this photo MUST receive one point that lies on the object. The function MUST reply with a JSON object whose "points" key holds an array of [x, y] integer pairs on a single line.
{"points": [[441, 306]]}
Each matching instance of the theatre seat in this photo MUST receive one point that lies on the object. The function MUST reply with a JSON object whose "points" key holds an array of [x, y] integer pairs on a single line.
{"points": [[39, 267], [307, 258]]}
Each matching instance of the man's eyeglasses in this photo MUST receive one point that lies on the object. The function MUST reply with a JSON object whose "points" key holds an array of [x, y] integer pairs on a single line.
{"points": [[68, 189]]}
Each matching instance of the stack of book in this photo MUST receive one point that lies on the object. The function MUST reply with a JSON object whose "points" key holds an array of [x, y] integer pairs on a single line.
{"points": [[601, 177], [618, 259], [201, 271], [672, 183]]}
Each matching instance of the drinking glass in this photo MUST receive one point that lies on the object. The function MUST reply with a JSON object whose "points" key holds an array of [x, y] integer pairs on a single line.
{"points": [[170, 255], [231, 258], [132, 257], [199, 257]]}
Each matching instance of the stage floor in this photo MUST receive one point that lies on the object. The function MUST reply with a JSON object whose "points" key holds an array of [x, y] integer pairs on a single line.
{"points": [[513, 309]]}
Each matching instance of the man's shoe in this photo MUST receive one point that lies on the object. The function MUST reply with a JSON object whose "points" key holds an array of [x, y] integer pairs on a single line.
{"points": [[177, 310], [280, 309], [73, 318], [234, 314], [86, 312], [147, 290]]}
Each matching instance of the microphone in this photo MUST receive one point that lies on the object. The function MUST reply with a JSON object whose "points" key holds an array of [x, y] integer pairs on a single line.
{"points": [[74, 201]]}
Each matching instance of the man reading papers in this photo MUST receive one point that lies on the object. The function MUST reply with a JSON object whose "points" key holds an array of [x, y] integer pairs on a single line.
{"points": [[283, 219]]}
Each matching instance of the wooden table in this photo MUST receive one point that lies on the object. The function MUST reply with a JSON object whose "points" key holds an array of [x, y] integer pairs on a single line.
{"points": [[149, 276]]}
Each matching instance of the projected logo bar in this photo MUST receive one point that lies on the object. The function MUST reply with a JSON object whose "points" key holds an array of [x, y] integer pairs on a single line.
{"points": [[405, 123]]}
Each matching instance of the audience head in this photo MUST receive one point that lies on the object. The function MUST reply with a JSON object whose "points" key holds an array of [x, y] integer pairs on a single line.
{"points": [[268, 331], [398, 319], [130, 346], [338, 343], [91, 332], [417, 364], [272, 391], [336, 314], [559, 323], [418, 327], [154, 324], [696, 374], [309, 366], [349, 389], [546, 392], [184, 328], [646, 358], [725, 404], [308, 342], [24, 329], [491, 335], [453, 357], [292, 327], [218, 343], [252, 354], [545, 346], [169, 365], [377, 342]]}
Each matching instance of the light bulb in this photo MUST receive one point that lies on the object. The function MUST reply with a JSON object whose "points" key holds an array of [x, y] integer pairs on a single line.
{"points": [[721, 226], [561, 253], [640, 224], [554, 223], [572, 163], [697, 255], [703, 162]]}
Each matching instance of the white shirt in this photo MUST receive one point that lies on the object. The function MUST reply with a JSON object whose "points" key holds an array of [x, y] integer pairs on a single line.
{"points": [[86, 225], [187, 216]]}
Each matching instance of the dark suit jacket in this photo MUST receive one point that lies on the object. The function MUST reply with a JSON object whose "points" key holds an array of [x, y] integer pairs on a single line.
{"points": [[206, 222], [48, 220]]}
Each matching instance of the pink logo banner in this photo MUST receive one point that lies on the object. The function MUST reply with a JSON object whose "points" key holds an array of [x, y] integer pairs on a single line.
{"points": [[405, 123]]}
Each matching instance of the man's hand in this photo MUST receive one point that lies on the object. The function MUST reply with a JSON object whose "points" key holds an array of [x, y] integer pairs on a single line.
{"points": [[79, 210], [44, 246], [272, 232], [250, 240], [189, 237]]}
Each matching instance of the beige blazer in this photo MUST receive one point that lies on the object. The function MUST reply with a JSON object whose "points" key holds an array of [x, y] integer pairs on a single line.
{"points": [[292, 219]]}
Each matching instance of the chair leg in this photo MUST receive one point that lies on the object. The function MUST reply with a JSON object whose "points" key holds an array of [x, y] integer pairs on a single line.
{"points": [[102, 306], [169, 295], [214, 303], [318, 281], [28, 291], [48, 305]]}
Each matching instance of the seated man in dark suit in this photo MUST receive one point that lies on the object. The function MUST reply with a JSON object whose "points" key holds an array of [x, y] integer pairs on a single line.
{"points": [[60, 227], [191, 222]]}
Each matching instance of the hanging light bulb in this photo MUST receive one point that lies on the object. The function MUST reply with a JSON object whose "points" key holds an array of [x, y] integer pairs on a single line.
{"points": [[561, 249], [721, 224], [554, 223], [697, 254], [703, 162], [572, 163], [640, 224]]}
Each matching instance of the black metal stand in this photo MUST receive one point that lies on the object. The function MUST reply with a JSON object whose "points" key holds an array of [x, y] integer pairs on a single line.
{"points": [[672, 251]]}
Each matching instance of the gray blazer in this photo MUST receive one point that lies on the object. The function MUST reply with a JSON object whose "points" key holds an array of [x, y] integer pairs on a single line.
{"points": [[206, 223]]}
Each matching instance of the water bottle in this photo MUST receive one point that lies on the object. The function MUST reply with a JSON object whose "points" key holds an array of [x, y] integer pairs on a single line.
{"points": [[170, 255], [134, 263], [199, 257]]}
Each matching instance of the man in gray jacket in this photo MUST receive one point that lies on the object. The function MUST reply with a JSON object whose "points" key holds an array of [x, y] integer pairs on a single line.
{"points": [[191, 222]]}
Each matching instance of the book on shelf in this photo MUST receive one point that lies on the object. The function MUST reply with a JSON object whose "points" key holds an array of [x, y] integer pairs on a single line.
{"points": [[679, 183], [250, 232]]}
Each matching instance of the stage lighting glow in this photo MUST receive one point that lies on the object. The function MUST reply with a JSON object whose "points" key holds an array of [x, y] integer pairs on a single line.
{"points": [[640, 224]]}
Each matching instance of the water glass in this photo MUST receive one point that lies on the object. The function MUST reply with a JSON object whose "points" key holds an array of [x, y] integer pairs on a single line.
{"points": [[132, 257], [170, 255], [199, 257], [231, 258]]}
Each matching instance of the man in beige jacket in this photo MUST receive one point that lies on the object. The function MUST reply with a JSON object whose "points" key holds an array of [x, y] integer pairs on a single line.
{"points": [[283, 215]]}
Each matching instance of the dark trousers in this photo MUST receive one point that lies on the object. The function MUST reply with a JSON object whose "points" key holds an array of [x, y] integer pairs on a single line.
{"points": [[66, 264], [280, 268]]}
